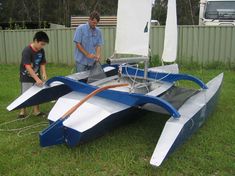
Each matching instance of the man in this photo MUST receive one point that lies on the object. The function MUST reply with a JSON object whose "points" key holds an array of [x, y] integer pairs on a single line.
{"points": [[88, 41]]}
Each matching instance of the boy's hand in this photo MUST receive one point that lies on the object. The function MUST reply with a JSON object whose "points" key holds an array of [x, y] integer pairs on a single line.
{"points": [[39, 82], [44, 77]]}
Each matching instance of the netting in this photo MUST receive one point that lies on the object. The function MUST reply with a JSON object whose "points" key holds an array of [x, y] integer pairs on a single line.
{"points": [[96, 73]]}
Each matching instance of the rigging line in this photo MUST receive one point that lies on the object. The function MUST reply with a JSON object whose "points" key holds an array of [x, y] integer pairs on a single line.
{"points": [[155, 79], [133, 83], [139, 83], [163, 71]]}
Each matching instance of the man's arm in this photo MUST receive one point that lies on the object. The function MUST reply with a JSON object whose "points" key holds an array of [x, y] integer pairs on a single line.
{"points": [[98, 46], [33, 75], [98, 53], [87, 54]]}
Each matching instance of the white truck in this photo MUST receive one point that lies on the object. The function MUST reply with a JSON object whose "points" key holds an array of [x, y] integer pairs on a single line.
{"points": [[217, 12]]}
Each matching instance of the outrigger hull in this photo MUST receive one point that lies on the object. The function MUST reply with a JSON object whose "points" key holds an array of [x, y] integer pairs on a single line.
{"points": [[38, 95], [193, 112]]}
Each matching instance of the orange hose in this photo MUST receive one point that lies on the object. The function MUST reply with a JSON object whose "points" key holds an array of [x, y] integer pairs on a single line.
{"points": [[74, 108]]}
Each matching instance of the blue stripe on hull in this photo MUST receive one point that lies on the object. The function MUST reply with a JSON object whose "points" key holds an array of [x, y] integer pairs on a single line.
{"points": [[73, 137]]}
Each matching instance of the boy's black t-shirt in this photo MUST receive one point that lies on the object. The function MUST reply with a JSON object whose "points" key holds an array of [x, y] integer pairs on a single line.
{"points": [[33, 58]]}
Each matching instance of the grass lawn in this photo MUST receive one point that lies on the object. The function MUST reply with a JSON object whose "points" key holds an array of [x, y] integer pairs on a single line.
{"points": [[124, 151]]}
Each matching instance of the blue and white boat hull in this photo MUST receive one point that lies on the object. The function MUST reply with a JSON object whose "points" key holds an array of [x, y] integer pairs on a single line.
{"points": [[114, 107]]}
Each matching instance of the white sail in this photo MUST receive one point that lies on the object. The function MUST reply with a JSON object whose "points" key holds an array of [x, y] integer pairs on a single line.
{"points": [[133, 26], [171, 34]]}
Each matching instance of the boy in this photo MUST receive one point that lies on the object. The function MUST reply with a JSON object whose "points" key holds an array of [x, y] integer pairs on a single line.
{"points": [[32, 68]]}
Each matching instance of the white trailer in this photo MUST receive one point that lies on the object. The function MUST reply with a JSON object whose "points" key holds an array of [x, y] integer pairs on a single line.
{"points": [[217, 12]]}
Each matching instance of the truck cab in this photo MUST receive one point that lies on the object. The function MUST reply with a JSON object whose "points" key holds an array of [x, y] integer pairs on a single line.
{"points": [[217, 12]]}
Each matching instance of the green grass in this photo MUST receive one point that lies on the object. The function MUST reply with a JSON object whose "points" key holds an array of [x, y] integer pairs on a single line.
{"points": [[124, 151]]}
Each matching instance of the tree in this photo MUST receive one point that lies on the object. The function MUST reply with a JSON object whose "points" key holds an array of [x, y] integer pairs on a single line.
{"points": [[159, 11], [187, 11], [60, 11]]}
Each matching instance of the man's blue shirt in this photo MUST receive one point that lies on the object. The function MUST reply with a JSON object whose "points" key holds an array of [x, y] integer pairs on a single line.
{"points": [[89, 39]]}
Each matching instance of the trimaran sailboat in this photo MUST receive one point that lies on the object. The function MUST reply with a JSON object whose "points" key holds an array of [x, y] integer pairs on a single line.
{"points": [[84, 111]]}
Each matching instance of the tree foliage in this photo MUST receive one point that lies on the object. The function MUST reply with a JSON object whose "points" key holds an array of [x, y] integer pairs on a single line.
{"points": [[57, 11], [60, 11], [187, 11]]}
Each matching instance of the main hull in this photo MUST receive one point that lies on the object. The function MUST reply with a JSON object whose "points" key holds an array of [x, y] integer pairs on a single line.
{"points": [[73, 137]]}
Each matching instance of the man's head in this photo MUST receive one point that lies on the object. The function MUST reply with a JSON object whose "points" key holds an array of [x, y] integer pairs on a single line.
{"points": [[94, 19], [40, 39]]}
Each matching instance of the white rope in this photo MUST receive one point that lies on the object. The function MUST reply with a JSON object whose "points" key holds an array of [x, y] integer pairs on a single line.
{"points": [[21, 129], [134, 80], [31, 127], [141, 83], [12, 121], [158, 80], [133, 83]]}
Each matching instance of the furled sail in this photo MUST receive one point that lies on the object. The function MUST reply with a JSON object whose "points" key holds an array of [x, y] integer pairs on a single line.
{"points": [[171, 34], [133, 27]]}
